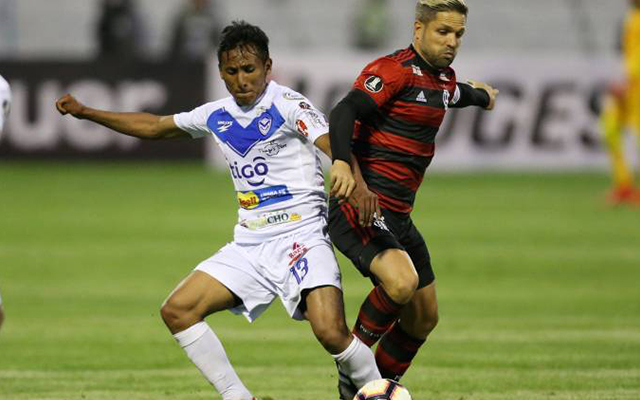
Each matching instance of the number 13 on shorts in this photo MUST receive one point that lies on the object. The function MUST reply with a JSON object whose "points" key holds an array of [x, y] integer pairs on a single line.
{"points": [[300, 269]]}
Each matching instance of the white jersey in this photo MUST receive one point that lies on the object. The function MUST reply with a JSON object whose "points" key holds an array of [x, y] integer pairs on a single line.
{"points": [[273, 162], [5, 101]]}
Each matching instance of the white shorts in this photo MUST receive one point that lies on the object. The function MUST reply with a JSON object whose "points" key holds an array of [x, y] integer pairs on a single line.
{"points": [[283, 267]]}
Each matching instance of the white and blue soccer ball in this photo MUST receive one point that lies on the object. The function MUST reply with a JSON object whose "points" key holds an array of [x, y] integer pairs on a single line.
{"points": [[383, 389]]}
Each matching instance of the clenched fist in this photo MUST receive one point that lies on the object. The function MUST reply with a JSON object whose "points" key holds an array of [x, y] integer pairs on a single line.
{"points": [[68, 104]]}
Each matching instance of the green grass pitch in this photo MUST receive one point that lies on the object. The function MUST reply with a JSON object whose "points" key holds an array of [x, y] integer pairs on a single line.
{"points": [[538, 283]]}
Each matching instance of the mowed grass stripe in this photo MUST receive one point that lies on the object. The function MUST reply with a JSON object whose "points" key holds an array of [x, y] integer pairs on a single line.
{"points": [[537, 284]]}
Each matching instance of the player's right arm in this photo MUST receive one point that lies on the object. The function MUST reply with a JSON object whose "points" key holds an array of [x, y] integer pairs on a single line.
{"points": [[140, 125]]}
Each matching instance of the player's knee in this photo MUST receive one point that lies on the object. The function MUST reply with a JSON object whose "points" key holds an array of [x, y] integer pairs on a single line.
{"points": [[175, 315], [402, 287]]}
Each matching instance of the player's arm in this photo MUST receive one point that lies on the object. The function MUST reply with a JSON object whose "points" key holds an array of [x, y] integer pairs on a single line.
{"points": [[357, 105], [475, 93], [140, 125], [361, 197]]}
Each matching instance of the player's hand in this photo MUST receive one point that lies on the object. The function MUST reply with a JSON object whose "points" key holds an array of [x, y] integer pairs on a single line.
{"points": [[342, 181], [366, 202], [68, 104], [493, 93]]}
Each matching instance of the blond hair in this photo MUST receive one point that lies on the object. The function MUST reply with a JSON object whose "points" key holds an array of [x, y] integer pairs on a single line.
{"points": [[426, 10]]}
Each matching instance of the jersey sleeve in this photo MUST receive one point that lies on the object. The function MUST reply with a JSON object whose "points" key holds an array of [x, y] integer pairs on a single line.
{"points": [[381, 80], [194, 122], [304, 119]]}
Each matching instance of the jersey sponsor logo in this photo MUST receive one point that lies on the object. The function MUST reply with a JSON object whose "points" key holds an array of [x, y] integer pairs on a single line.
{"points": [[374, 84], [242, 139], [302, 128], [293, 96], [297, 251], [416, 70], [445, 99], [316, 120], [272, 148], [224, 126], [265, 124], [253, 173], [270, 219], [263, 197], [421, 97]]}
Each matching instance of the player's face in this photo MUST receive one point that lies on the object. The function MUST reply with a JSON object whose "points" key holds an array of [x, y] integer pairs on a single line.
{"points": [[244, 74], [438, 40]]}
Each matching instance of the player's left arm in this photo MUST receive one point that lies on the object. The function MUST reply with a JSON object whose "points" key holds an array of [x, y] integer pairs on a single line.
{"points": [[475, 93], [361, 197]]}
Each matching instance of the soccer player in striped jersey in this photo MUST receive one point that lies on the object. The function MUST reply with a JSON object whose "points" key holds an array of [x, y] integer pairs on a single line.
{"points": [[389, 121]]}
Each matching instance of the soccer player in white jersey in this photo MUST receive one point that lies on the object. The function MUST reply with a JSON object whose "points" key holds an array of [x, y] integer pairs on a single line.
{"points": [[5, 106], [281, 249]]}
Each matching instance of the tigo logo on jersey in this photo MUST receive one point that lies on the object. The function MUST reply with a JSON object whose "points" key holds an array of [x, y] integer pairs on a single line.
{"points": [[263, 197], [374, 84], [249, 171]]}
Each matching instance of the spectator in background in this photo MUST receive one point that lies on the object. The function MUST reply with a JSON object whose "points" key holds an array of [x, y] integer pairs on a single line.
{"points": [[372, 25], [196, 30], [622, 111], [120, 31]]}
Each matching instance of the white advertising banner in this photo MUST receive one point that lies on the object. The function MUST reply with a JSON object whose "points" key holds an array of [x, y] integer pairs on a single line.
{"points": [[546, 116]]}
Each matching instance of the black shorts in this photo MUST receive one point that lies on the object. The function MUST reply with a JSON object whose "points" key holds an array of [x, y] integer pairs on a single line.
{"points": [[362, 244]]}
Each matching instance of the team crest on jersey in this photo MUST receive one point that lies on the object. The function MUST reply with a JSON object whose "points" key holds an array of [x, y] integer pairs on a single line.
{"points": [[265, 124], [374, 84], [445, 99], [242, 139]]}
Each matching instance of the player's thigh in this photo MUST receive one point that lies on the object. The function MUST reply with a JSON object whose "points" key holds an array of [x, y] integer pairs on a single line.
{"points": [[420, 315], [360, 244], [201, 294]]}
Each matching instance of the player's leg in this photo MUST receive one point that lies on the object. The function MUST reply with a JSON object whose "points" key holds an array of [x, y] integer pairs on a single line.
{"points": [[418, 318], [399, 346], [376, 252], [325, 312], [612, 122], [184, 311]]}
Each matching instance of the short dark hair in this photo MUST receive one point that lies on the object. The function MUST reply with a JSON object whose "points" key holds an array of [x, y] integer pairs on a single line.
{"points": [[243, 34], [426, 10]]}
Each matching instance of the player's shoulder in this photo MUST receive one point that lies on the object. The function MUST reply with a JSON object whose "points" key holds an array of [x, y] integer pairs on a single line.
{"points": [[397, 62], [4, 85], [286, 98]]}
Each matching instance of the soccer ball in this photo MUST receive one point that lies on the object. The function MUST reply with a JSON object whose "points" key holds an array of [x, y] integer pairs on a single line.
{"points": [[383, 389]]}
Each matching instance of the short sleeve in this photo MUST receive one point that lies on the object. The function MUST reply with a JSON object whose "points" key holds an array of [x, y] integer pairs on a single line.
{"points": [[305, 119], [194, 122], [381, 80]]}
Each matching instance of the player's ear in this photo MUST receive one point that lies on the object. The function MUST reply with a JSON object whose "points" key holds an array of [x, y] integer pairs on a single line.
{"points": [[267, 66], [418, 27]]}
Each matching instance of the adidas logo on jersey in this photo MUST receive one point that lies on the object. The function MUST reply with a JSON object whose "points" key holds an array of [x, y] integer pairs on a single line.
{"points": [[421, 97]]}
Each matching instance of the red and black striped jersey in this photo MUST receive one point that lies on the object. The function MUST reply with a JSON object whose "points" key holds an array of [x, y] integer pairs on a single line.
{"points": [[395, 145]]}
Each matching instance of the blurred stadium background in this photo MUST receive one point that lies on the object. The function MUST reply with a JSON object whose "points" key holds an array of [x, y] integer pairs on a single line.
{"points": [[537, 276]]}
